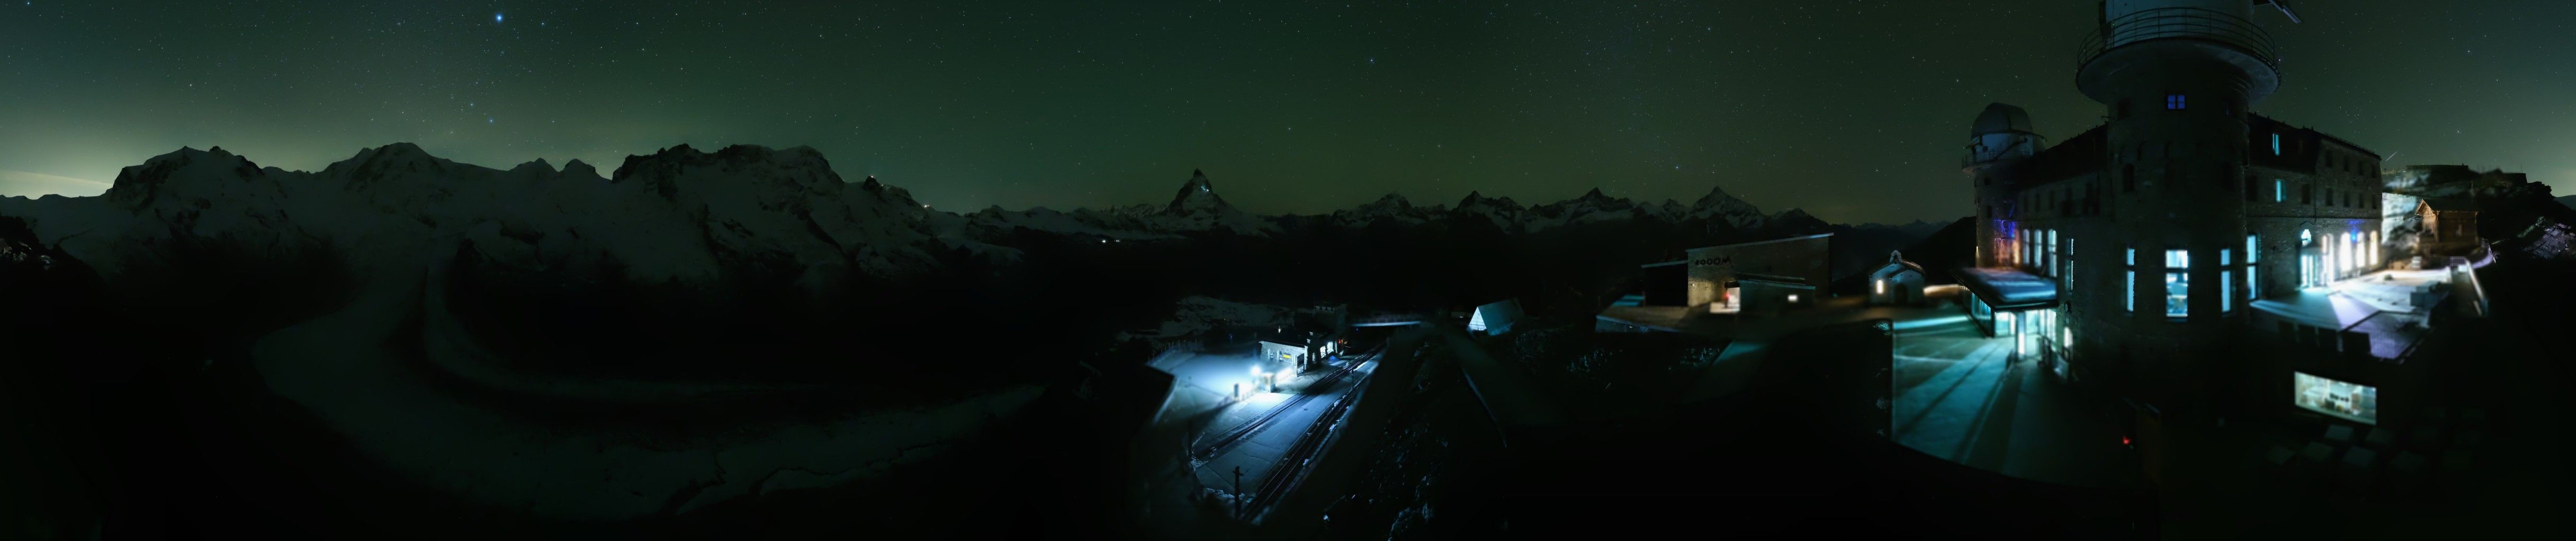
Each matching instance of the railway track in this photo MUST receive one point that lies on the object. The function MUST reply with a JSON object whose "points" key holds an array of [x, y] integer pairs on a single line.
{"points": [[1291, 469], [1235, 436]]}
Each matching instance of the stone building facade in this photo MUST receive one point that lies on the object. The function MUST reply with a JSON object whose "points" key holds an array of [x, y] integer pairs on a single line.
{"points": [[2161, 225]]}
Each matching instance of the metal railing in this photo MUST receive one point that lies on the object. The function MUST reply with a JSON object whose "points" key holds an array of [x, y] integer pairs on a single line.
{"points": [[2179, 22]]}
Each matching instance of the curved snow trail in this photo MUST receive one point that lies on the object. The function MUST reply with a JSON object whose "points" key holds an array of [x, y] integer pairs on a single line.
{"points": [[450, 348], [339, 367]]}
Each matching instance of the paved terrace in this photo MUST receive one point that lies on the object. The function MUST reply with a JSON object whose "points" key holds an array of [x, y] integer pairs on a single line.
{"points": [[2380, 304], [1953, 394]]}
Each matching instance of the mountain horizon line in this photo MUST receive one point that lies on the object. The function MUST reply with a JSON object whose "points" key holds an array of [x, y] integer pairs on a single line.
{"points": [[1198, 178]]}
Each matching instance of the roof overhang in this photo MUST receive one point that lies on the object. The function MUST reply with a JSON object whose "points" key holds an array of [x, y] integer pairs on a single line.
{"points": [[2009, 290]]}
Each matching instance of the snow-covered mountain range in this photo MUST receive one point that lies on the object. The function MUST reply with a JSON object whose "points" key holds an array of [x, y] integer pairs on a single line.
{"points": [[1591, 207], [676, 214], [681, 214]]}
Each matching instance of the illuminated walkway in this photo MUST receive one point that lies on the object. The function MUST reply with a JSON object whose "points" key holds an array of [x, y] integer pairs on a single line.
{"points": [[1261, 451], [1956, 397]]}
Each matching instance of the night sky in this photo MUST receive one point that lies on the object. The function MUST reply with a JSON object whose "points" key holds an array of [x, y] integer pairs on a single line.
{"points": [[1855, 111]]}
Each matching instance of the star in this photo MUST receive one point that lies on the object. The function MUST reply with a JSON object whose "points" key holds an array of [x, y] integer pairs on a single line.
{"points": [[496, 17]]}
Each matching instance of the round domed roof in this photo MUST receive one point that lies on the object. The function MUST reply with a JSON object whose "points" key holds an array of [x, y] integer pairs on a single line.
{"points": [[2001, 118]]}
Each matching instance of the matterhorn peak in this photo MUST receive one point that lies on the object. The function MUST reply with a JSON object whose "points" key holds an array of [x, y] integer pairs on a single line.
{"points": [[1196, 195]]}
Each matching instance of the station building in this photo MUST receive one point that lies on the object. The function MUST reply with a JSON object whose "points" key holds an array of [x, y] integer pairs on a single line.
{"points": [[2137, 251]]}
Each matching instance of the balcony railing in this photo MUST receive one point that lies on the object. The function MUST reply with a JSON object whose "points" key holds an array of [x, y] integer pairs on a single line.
{"points": [[2183, 23]]}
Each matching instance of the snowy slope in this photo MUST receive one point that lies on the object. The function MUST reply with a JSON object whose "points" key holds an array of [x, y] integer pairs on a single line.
{"points": [[399, 215]]}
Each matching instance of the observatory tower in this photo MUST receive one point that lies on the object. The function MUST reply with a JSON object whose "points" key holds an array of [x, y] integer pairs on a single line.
{"points": [[2001, 137], [2178, 77]]}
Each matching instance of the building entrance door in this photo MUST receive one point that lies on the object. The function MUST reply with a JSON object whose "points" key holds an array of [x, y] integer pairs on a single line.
{"points": [[2312, 270], [2039, 327]]}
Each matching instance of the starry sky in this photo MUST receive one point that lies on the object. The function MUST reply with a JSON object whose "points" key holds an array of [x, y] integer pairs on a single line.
{"points": [[1854, 111]]}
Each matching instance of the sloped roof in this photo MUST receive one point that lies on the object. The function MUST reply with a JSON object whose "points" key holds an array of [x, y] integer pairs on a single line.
{"points": [[2076, 156]]}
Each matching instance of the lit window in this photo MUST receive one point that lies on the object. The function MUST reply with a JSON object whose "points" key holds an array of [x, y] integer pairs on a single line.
{"points": [[2276, 144], [2344, 259], [2252, 291], [2069, 280], [2173, 102], [2133, 256], [2226, 285], [2177, 283], [2280, 190], [2129, 301], [1880, 287], [2051, 236], [2226, 292]]}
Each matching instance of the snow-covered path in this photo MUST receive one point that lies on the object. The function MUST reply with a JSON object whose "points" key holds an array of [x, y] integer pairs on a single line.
{"points": [[341, 368]]}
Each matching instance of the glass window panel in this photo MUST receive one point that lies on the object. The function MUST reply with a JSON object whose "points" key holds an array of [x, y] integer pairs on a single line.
{"points": [[2226, 292], [2129, 284], [2177, 294]]}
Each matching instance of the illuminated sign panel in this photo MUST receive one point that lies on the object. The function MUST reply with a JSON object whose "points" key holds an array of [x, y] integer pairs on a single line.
{"points": [[2338, 398]]}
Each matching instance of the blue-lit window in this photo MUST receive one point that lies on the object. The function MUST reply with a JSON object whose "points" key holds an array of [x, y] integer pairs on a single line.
{"points": [[2177, 283], [2226, 284], [2280, 190], [2069, 278], [2173, 102], [2129, 284], [2049, 238], [2252, 290], [2276, 144], [2226, 291]]}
